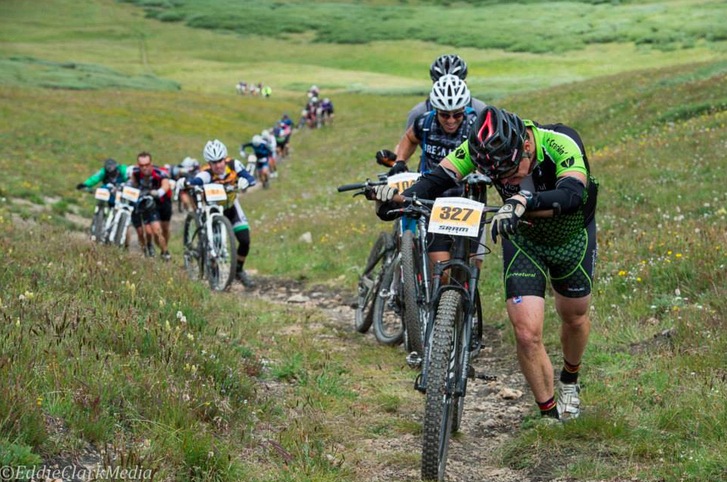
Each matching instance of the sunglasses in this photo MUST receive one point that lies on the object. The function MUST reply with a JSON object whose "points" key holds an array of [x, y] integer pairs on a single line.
{"points": [[452, 115], [146, 164], [217, 161]]}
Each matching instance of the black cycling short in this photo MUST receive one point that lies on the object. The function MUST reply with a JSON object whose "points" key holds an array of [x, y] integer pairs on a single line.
{"points": [[570, 266], [162, 212]]}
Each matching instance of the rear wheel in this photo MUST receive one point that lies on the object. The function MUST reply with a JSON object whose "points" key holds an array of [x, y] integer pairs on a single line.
{"points": [[388, 325], [441, 380], [368, 283], [221, 266], [192, 247]]}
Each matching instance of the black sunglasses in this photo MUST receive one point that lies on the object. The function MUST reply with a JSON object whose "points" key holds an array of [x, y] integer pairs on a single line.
{"points": [[453, 115]]}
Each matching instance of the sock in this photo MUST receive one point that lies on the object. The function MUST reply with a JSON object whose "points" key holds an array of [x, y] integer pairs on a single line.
{"points": [[548, 408], [569, 373]]}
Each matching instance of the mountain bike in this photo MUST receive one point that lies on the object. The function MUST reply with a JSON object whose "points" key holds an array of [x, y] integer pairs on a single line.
{"points": [[455, 317], [102, 213], [377, 300], [209, 241]]}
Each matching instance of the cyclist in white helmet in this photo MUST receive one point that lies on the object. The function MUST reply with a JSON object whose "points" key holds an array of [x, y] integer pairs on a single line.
{"points": [[442, 65], [269, 139], [222, 169], [438, 132]]}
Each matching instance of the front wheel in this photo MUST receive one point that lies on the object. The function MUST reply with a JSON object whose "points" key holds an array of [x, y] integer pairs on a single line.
{"points": [[388, 325], [410, 292], [97, 225], [441, 383], [221, 255], [369, 282], [192, 247], [119, 230]]}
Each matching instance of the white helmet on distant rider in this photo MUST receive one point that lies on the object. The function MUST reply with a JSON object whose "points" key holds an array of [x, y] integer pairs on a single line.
{"points": [[449, 93], [190, 163], [257, 140], [214, 151]]}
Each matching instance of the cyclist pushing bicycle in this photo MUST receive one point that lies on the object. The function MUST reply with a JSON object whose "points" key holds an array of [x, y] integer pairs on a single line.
{"points": [[225, 170], [542, 173]]}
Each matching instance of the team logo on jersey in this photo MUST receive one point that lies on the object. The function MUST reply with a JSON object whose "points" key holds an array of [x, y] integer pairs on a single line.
{"points": [[568, 162], [459, 153]]}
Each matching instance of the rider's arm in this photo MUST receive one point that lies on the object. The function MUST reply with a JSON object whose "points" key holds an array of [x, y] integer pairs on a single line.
{"points": [[566, 198], [95, 178], [200, 179], [407, 145], [429, 186]]}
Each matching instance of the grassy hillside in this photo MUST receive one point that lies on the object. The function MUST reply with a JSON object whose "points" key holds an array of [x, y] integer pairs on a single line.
{"points": [[106, 348]]}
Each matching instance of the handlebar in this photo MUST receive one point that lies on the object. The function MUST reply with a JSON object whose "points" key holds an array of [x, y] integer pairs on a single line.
{"points": [[361, 186]]}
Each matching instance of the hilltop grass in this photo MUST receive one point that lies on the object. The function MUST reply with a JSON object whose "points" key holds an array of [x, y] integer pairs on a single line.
{"points": [[86, 355]]}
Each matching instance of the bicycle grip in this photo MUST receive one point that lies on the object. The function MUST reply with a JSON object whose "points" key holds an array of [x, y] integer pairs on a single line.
{"points": [[351, 187]]}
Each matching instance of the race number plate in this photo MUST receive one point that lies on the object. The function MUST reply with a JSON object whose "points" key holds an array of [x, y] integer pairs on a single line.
{"points": [[214, 192], [103, 194], [131, 193], [402, 180], [456, 216]]}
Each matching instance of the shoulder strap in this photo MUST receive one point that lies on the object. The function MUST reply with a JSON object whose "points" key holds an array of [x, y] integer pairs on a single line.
{"points": [[425, 131]]}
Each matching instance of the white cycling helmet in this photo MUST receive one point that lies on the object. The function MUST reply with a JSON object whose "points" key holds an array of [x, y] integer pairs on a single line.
{"points": [[257, 140], [265, 133], [449, 93], [214, 151], [190, 163]]}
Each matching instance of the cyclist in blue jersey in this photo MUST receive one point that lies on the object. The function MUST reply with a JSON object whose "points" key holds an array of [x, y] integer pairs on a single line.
{"points": [[542, 173]]}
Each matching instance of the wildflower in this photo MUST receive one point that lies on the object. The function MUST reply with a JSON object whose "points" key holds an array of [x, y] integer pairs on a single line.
{"points": [[622, 273], [190, 337], [678, 255]]}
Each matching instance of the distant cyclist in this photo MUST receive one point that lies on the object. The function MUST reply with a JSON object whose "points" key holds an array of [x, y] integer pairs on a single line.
{"points": [[272, 143], [153, 222], [225, 170], [110, 176], [262, 153], [186, 170], [327, 111]]}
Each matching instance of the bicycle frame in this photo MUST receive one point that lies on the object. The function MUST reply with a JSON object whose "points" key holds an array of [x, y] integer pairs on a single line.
{"points": [[205, 212], [463, 276]]}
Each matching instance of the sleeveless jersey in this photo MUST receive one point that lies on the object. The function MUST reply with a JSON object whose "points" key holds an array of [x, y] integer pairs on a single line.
{"points": [[435, 142]]}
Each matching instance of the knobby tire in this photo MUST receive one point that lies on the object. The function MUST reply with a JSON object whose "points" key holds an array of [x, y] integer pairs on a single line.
{"points": [[192, 247], [221, 268], [122, 223], [97, 226], [368, 284], [388, 325], [441, 378]]}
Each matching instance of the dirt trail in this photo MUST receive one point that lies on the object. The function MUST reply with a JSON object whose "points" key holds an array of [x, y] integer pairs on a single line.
{"points": [[494, 407]]}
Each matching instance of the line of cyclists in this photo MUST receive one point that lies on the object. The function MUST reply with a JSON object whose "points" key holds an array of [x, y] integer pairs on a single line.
{"points": [[149, 191], [317, 112]]}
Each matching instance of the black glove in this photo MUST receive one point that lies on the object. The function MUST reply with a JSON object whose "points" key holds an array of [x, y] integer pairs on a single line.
{"points": [[399, 166], [505, 221], [385, 158], [80, 186]]}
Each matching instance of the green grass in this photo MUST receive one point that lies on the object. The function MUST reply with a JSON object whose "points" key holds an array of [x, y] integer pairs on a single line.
{"points": [[92, 349]]}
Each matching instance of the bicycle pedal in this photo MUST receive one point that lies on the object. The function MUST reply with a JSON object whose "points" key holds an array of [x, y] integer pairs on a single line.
{"points": [[413, 360]]}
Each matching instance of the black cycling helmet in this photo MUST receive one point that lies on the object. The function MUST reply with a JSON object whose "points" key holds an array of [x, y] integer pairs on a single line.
{"points": [[448, 64], [145, 205], [496, 142], [110, 166]]}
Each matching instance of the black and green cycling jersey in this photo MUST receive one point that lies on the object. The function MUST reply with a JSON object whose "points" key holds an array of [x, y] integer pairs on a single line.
{"points": [[103, 177], [559, 150]]}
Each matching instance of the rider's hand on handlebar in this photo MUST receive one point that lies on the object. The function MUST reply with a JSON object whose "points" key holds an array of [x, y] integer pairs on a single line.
{"points": [[505, 222], [80, 186], [382, 193], [242, 184]]}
